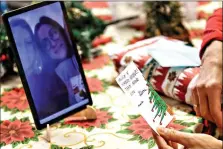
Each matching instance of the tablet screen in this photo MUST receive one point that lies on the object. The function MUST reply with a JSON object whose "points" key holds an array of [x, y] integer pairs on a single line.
{"points": [[49, 62]]}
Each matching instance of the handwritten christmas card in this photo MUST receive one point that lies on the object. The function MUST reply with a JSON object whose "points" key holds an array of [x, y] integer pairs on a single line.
{"points": [[150, 105]]}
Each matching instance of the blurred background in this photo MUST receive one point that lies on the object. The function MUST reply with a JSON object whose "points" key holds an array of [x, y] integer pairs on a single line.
{"points": [[181, 20]]}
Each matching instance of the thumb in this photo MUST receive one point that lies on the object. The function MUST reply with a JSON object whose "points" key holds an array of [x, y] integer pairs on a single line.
{"points": [[175, 136]]}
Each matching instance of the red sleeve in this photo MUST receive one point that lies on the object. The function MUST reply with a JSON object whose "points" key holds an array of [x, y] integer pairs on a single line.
{"points": [[213, 30]]}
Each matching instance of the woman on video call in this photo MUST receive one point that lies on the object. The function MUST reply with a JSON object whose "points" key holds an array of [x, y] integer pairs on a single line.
{"points": [[32, 65], [53, 41]]}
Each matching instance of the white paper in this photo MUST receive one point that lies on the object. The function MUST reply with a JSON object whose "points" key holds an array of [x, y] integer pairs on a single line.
{"points": [[172, 54], [140, 96], [146, 111], [130, 77]]}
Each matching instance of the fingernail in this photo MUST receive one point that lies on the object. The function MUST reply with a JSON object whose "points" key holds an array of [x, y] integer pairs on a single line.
{"points": [[161, 130]]}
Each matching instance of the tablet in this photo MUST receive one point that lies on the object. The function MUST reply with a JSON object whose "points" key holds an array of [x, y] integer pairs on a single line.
{"points": [[48, 61]]}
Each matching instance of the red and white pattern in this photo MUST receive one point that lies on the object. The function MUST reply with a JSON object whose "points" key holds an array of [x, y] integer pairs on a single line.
{"points": [[136, 51], [188, 95], [171, 81], [142, 61], [158, 78], [99, 9], [181, 85]]}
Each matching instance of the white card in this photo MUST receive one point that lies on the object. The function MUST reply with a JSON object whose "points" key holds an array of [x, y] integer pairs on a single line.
{"points": [[151, 106], [130, 77], [140, 90], [153, 118]]}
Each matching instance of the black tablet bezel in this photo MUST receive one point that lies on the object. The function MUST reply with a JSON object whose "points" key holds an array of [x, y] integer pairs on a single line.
{"points": [[5, 18]]}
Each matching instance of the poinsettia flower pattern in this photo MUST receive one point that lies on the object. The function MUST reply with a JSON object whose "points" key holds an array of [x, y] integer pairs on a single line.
{"points": [[15, 131], [95, 85], [102, 118], [97, 62], [16, 98], [140, 127]]}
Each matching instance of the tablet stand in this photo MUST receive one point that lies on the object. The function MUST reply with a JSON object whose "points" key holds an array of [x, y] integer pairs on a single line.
{"points": [[48, 134], [87, 114]]}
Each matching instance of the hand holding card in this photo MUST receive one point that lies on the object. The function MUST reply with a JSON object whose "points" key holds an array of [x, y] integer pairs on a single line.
{"points": [[151, 106]]}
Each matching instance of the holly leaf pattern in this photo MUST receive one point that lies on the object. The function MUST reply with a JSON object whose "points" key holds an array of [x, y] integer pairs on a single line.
{"points": [[24, 119], [7, 89], [151, 143], [103, 126], [134, 116], [14, 144], [187, 124], [143, 141], [105, 109], [135, 137], [12, 111], [2, 144], [89, 129], [88, 147], [112, 120], [53, 146], [105, 84], [125, 131], [127, 124]]}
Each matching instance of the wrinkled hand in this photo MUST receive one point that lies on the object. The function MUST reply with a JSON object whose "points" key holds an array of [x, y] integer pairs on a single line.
{"points": [[208, 88], [170, 138]]}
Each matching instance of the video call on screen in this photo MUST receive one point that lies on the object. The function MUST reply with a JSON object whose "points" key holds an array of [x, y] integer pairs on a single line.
{"points": [[48, 60]]}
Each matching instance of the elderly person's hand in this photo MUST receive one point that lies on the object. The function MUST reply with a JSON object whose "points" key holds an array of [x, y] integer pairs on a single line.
{"points": [[170, 138], [207, 91]]}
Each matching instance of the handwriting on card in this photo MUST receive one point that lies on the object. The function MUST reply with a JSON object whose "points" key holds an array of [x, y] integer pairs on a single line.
{"points": [[140, 103], [149, 103], [141, 92], [129, 79]]}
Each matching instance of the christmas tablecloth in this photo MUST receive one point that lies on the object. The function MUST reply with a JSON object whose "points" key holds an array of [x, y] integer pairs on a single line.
{"points": [[118, 124]]}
